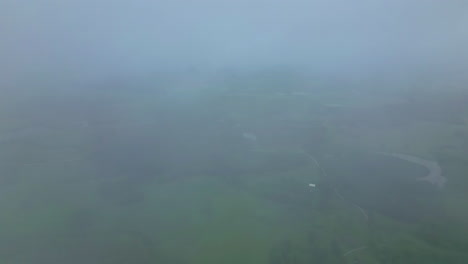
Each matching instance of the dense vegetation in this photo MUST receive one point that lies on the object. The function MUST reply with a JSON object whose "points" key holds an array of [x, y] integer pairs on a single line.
{"points": [[185, 170]]}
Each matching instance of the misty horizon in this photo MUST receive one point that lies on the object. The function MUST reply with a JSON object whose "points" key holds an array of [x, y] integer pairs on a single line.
{"points": [[234, 132], [90, 39]]}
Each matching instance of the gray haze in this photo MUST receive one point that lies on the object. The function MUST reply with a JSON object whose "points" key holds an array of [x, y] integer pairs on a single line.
{"points": [[243, 131], [102, 39]]}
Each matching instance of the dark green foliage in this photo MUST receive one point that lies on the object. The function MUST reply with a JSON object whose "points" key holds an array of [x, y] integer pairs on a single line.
{"points": [[177, 182], [283, 253], [319, 255], [318, 140], [371, 181], [405, 252], [326, 194], [336, 249], [120, 192]]}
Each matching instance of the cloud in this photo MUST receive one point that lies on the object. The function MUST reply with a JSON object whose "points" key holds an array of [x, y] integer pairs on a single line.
{"points": [[95, 38]]}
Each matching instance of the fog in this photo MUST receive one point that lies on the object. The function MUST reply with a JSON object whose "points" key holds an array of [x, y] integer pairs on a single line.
{"points": [[97, 39], [254, 132]]}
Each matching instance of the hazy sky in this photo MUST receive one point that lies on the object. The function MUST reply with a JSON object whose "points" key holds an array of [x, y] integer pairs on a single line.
{"points": [[99, 37]]}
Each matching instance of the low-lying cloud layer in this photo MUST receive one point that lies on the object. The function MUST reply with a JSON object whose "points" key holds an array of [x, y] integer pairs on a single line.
{"points": [[93, 39]]}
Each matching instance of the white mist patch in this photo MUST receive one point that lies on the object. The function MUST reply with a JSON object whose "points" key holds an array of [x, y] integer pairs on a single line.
{"points": [[249, 136]]}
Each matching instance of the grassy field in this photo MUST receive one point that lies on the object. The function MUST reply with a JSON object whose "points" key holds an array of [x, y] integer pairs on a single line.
{"points": [[148, 177]]}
